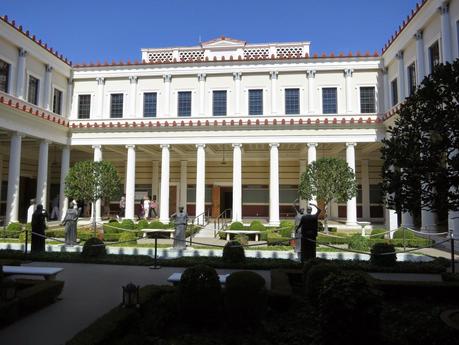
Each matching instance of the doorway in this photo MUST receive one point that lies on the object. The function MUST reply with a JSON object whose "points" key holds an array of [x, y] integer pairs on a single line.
{"points": [[226, 201]]}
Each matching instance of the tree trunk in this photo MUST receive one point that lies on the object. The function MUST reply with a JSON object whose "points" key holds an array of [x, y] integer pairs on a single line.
{"points": [[326, 218], [93, 211]]}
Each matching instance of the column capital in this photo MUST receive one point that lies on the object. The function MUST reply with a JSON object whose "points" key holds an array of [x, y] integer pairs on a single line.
{"points": [[348, 72], [49, 68], [418, 35], [237, 75], [385, 70], [22, 52], [46, 141], [272, 145], [444, 7], [100, 80], [198, 146], [97, 147], [133, 79], [311, 73], [202, 77], [273, 74], [351, 144], [237, 145], [167, 78], [17, 134], [165, 146], [312, 144], [399, 55], [130, 147]]}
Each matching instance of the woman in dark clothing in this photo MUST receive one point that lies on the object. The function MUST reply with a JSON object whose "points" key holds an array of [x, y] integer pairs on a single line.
{"points": [[38, 228]]}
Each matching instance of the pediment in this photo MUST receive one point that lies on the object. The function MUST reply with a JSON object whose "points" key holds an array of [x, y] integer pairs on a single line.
{"points": [[223, 43]]}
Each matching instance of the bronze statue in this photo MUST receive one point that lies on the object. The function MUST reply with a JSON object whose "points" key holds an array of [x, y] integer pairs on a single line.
{"points": [[309, 229]]}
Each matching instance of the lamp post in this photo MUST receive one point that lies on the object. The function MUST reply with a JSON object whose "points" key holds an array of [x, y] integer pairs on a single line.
{"points": [[131, 296]]}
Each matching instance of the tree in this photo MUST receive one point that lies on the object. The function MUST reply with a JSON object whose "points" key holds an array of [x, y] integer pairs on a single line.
{"points": [[91, 181], [421, 160], [328, 179]]}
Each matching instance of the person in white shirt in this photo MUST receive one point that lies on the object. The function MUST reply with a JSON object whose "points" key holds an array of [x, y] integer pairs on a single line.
{"points": [[31, 210], [146, 206]]}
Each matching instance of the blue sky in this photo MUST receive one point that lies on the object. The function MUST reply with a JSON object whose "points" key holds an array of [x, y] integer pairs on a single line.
{"points": [[93, 30]]}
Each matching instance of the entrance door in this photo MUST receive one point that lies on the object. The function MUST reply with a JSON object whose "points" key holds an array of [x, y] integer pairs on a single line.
{"points": [[215, 201], [172, 199], [226, 200]]}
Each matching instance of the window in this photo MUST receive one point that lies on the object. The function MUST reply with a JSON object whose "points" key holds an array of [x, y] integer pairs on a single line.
{"points": [[255, 102], [434, 55], [411, 78], [329, 104], [184, 103], [84, 106], [32, 93], [394, 91], [116, 105], [367, 100], [457, 36], [4, 75], [149, 104], [57, 102], [292, 101], [219, 103]]}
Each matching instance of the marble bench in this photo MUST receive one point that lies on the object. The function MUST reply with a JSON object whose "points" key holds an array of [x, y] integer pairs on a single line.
{"points": [[49, 273], [242, 232]]}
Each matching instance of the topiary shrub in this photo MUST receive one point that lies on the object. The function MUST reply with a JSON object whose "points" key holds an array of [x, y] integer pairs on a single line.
{"points": [[349, 310], [286, 224], [94, 248], [257, 225], [398, 234], [286, 232], [236, 226], [200, 295], [242, 239], [379, 256], [233, 253], [156, 224], [358, 242], [315, 278], [113, 220], [128, 224], [128, 236], [14, 227], [245, 298], [112, 228], [378, 233], [142, 224], [310, 264]]}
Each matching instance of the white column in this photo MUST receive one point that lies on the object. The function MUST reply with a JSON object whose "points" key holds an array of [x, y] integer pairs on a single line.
{"points": [[386, 89], [428, 221], [453, 216], [183, 183], [420, 59], [155, 180], [237, 92], [132, 96], [391, 216], [274, 185], [202, 93], [100, 98], [68, 110], [348, 83], [47, 89], [165, 169], [42, 175], [311, 74], [273, 75], [167, 97], [14, 172], [365, 182], [445, 32], [303, 164], [200, 181], [130, 182], [97, 158], [21, 74], [65, 164], [312, 157], [237, 182], [351, 218], [401, 76], [1, 176]]}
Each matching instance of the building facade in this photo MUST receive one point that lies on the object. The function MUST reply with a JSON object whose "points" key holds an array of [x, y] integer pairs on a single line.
{"points": [[225, 125]]}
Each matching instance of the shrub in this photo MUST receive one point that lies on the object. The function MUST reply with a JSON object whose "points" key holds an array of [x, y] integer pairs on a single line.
{"points": [[380, 258], [245, 298], [286, 224], [310, 264], [14, 227], [94, 248], [22, 237], [113, 228], [128, 236], [398, 234], [113, 220], [242, 239], [236, 226], [156, 224], [286, 231], [257, 225], [320, 227], [315, 278], [349, 309], [142, 224], [358, 242], [127, 224], [200, 296], [233, 253], [378, 233]]}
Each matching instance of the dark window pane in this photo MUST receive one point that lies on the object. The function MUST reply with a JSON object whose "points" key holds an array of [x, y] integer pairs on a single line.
{"points": [[434, 56], [367, 100], [32, 94], [412, 78], [57, 102], [84, 106], [184, 103], [375, 194], [394, 90], [4, 75], [292, 101], [255, 102], [329, 102], [116, 105], [149, 104], [219, 103]]}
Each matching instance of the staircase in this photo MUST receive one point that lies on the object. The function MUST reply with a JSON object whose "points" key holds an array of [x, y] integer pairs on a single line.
{"points": [[206, 232]]}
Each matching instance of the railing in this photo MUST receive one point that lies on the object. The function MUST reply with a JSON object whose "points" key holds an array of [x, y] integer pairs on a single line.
{"points": [[204, 216], [222, 220]]}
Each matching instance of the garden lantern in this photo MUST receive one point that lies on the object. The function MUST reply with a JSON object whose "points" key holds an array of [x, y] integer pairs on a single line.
{"points": [[7, 290], [131, 296]]}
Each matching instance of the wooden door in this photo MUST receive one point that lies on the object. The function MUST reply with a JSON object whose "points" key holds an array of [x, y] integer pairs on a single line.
{"points": [[215, 201], [172, 199]]}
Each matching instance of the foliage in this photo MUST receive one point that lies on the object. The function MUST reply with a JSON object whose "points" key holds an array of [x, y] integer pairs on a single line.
{"points": [[403, 233], [142, 224], [243, 239], [14, 227], [156, 224], [128, 224], [257, 225], [378, 233], [315, 278], [359, 243], [328, 179], [93, 248], [380, 254], [349, 309], [245, 298], [236, 226], [128, 236], [233, 253]]}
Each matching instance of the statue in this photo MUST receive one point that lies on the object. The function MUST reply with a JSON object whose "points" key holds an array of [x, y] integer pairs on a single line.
{"points": [[31, 210], [181, 220], [38, 229], [297, 234], [70, 223], [309, 229]]}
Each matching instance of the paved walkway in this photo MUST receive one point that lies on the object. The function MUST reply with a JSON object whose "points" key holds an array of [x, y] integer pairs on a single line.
{"points": [[89, 291]]}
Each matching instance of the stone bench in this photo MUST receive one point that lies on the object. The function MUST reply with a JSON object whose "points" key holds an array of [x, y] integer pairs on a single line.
{"points": [[175, 278], [242, 232], [149, 231], [49, 273]]}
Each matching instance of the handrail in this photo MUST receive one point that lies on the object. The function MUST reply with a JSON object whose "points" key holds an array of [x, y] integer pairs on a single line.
{"points": [[222, 217], [197, 217]]}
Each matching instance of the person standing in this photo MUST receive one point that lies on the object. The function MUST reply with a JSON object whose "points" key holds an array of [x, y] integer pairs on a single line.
{"points": [[38, 229], [54, 208], [122, 206], [141, 212], [181, 220], [146, 207], [154, 207], [309, 227], [70, 223], [31, 210]]}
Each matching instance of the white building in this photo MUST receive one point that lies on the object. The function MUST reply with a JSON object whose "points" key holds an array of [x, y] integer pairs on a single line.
{"points": [[223, 125]]}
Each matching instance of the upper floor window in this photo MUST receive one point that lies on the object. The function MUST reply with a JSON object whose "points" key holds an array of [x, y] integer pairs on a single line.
{"points": [[329, 100], [32, 93], [394, 91], [57, 101], [184, 103], [367, 100], [219, 103], [116, 105], [149, 104], [4, 75], [434, 55], [84, 106], [292, 101], [411, 78], [256, 102]]}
